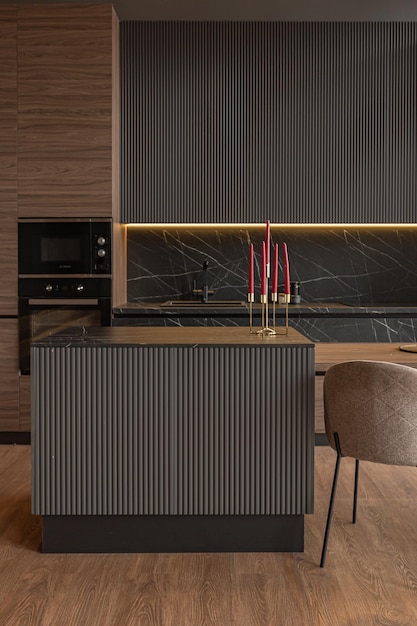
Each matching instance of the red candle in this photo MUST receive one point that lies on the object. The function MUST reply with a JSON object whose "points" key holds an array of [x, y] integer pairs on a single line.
{"points": [[275, 271], [267, 245], [286, 269], [263, 270], [251, 281]]}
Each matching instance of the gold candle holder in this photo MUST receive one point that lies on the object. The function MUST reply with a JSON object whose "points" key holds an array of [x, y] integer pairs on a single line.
{"points": [[281, 299], [251, 300], [287, 301], [274, 299], [265, 329]]}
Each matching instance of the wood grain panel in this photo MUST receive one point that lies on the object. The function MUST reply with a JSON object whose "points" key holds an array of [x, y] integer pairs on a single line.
{"points": [[119, 285], [319, 405], [88, 90], [8, 177], [328, 354], [8, 81], [24, 404], [53, 188], [74, 133], [8, 55], [64, 176], [65, 110], [83, 20], [8, 130], [8, 257], [119, 270], [9, 375]]}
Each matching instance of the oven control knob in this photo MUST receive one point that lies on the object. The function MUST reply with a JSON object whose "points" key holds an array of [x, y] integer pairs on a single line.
{"points": [[101, 241], [101, 253], [80, 288], [48, 287]]}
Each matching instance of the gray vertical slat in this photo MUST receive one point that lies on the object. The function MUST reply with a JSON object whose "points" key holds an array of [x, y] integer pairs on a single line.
{"points": [[173, 430], [239, 121]]}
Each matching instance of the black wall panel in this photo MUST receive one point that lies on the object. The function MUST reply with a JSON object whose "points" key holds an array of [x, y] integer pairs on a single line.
{"points": [[243, 121]]}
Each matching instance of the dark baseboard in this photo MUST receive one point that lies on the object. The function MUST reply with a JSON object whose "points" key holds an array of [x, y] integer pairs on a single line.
{"points": [[14, 438], [320, 439], [172, 533]]}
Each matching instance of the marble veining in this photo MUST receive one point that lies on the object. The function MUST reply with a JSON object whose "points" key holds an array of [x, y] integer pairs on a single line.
{"points": [[318, 329], [358, 266], [355, 284]]}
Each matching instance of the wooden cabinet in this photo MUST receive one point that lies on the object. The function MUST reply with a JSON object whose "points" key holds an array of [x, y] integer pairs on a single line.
{"points": [[8, 161], [65, 91], [24, 403], [59, 152], [9, 367], [8, 257], [9, 376]]}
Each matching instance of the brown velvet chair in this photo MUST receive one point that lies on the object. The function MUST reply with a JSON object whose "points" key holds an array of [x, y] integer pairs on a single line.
{"points": [[370, 414]]}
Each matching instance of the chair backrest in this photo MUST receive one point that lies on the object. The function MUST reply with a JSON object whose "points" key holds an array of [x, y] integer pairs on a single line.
{"points": [[373, 407]]}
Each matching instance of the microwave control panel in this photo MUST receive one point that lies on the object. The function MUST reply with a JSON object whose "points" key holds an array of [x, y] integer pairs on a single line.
{"points": [[101, 238]]}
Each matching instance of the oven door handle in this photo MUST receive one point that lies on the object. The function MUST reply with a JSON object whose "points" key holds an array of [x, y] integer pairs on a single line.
{"points": [[61, 301]]}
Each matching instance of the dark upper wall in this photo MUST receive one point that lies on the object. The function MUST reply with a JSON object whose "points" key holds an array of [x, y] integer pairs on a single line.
{"points": [[298, 122], [305, 10]]}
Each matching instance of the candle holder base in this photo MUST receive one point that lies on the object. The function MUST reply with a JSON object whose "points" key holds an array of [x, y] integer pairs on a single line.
{"points": [[266, 331]]}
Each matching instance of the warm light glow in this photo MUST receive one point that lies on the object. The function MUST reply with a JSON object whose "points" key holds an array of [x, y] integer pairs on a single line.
{"points": [[262, 226]]}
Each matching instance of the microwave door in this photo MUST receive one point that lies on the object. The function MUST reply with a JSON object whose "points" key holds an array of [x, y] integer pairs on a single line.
{"points": [[54, 248]]}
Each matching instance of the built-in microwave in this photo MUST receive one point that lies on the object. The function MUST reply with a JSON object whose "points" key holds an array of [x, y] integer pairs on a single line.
{"points": [[53, 247]]}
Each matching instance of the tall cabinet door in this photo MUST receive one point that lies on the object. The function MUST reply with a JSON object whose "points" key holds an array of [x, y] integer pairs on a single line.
{"points": [[9, 367], [8, 162], [65, 110], [9, 376]]}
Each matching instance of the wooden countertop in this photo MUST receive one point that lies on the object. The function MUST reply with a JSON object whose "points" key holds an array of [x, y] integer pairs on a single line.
{"points": [[328, 354]]}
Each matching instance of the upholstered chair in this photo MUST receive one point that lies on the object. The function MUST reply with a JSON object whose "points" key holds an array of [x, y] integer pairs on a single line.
{"points": [[370, 414]]}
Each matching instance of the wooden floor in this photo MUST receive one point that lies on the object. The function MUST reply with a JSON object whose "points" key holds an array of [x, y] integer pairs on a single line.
{"points": [[370, 575]]}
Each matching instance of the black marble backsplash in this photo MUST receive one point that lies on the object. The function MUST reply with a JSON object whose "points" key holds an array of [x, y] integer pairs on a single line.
{"points": [[358, 266]]}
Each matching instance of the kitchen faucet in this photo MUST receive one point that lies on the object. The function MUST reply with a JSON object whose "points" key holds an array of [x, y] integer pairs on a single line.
{"points": [[204, 292]]}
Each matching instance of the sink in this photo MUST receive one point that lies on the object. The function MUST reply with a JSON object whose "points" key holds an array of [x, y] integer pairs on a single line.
{"points": [[196, 304]]}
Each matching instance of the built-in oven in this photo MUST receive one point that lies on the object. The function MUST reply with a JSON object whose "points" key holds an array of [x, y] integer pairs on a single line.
{"points": [[64, 278], [71, 302]]}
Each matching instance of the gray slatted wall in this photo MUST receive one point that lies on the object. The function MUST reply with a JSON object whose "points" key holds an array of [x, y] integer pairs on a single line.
{"points": [[292, 121], [178, 430]]}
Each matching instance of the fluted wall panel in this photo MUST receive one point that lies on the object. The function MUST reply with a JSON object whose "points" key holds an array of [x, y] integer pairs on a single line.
{"points": [[179, 430], [299, 122]]}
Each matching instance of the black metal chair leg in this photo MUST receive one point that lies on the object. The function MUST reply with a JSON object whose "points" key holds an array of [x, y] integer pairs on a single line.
{"points": [[355, 492], [330, 511]]}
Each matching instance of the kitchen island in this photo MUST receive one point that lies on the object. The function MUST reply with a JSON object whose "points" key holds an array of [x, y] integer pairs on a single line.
{"points": [[172, 440]]}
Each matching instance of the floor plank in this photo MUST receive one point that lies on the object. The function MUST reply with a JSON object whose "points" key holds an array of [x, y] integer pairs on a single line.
{"points": [[370, 577]]}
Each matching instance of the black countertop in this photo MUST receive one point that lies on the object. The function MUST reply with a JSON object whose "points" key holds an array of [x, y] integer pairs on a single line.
{"points": [[241, 309], [192, 336]]}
